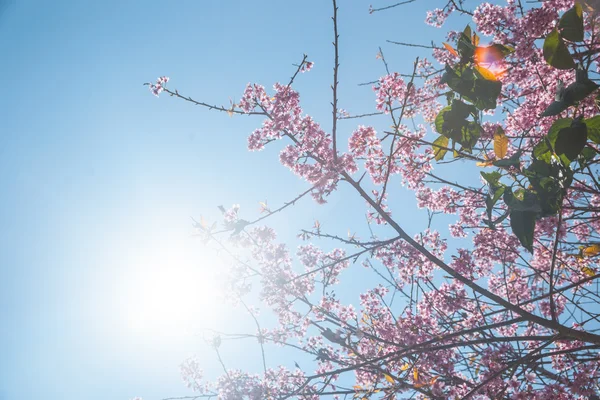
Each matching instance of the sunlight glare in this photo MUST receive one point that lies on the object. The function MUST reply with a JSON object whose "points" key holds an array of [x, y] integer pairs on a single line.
{"points": [[175, 291]]}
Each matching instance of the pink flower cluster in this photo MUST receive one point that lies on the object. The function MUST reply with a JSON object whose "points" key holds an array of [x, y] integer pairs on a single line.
{"points": [[158, 87], [192, 375], [307, 66], [466, 333], [437, 17]]}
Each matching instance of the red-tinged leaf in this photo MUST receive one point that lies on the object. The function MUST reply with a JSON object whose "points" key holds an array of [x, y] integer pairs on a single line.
{"points": [[450, 49]]}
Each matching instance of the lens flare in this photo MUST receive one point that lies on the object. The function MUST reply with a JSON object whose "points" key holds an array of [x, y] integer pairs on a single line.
{"points": [[491, 59]]}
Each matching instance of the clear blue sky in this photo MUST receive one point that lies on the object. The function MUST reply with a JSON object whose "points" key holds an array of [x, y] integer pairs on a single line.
{"points": [[99, 178]]}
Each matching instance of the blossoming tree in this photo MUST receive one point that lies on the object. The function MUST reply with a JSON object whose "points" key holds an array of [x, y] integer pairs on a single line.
{"points": [[511, 314]]}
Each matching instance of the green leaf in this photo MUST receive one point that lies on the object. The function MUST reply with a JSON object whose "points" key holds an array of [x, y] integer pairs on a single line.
{"points": [[497, 194], [462, 110], [470, 133], [452, 119], [465, 47], [461, 81], [571, 141], [482, 93], [593, 125], [523, 226], [512, 161], [467, 32], [490, 201], [556, 53], [496, 191], [578, 91], [504, 50], [586, 156], [557, 126], [486, 93], [538, 169], [571, 24], [508, 196], [523, 200], [440, 147], [555, 108], [491, 177], [550, 181], [439, 120], [545, 148]]}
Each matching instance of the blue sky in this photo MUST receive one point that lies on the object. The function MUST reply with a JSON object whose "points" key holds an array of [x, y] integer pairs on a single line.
{"points": [[100, 178]]}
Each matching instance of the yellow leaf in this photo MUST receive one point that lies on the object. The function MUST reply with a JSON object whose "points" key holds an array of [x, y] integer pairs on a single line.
{"points": [[440, 147], [450, 49], [500, 143], [405, 367], [357, 387], [416, 374], [591, 251], [423, 384], [487, 163], [233, 106], [388, 378], [264, 207], [588, 271], [486, 73]]}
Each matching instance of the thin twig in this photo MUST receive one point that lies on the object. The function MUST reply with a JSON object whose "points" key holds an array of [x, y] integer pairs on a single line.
{"points": [[372, 10], [336, 66]]}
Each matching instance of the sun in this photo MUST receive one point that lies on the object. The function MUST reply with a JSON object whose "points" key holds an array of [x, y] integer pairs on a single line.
{"points": [[174, 289]]}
